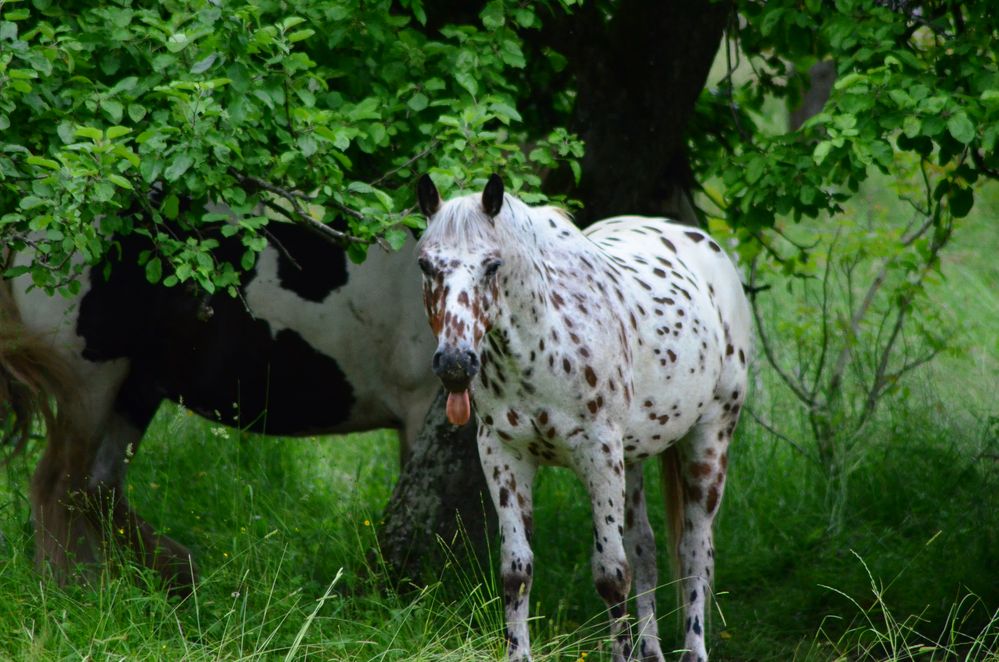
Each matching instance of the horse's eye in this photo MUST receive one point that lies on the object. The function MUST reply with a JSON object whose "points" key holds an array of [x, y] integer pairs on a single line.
{"points": [[426, 266], [492, 267]]}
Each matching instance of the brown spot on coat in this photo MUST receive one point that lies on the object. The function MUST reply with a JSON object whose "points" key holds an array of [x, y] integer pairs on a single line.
{"points": [[712, 501]]}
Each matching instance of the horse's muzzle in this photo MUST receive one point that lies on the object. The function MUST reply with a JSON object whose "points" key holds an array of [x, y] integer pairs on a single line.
{"points": [[455, 368]]}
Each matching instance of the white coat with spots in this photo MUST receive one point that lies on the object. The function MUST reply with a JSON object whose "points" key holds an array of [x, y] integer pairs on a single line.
{"points": [[592, 351]]}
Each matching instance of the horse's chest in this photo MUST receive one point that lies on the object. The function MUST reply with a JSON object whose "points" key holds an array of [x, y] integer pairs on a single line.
{"points": [[547, 401]]}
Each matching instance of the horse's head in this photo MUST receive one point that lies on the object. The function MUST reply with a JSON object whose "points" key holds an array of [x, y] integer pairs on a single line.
{"points": [[459, 255]]}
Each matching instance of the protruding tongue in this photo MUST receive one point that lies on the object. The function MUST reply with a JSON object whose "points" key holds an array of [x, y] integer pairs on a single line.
{"points": [[458, 409]]}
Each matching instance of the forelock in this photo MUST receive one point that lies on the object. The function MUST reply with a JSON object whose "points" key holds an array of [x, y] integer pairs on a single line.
{"points": [[461, 223]]}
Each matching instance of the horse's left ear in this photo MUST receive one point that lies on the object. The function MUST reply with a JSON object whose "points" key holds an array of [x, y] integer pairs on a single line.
{"points": [[427, 195], [492, 196]]}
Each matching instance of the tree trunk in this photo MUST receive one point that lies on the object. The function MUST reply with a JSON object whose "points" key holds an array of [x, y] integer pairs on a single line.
{"points": [[821, 78], [638, 76], [441, 500]]}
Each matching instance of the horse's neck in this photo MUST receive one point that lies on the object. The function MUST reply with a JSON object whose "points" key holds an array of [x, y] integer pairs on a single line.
{"points": [[542, 268]]}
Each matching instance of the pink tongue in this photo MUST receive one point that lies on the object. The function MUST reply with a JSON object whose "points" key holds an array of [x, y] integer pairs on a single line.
{"points": [[458, 409]]}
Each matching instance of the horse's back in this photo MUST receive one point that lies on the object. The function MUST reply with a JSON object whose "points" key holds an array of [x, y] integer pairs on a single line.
{"points": [[656, 240]]}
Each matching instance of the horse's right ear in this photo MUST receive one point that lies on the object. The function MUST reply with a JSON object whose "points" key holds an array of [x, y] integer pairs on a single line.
{"points": [[428, 197]]}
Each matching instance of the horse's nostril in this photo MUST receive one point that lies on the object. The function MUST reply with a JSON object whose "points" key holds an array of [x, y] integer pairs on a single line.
{"points": [[438, 356], [473, 360]]}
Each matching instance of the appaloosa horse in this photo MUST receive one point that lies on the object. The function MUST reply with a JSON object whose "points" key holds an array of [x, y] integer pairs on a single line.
{"points": [[313, 345], [593, 351]]}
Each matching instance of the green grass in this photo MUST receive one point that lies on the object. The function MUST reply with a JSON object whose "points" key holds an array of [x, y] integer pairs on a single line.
{"points": [[895, 560]]}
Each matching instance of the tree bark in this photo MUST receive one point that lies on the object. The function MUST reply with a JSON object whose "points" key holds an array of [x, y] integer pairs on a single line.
{"points": [[821, 78], [441, 502], [638, 75]]}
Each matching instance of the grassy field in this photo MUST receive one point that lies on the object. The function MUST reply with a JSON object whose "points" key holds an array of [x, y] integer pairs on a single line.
{"points": [[897, 559]]}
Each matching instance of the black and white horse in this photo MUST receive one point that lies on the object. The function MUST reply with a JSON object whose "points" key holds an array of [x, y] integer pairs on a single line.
{"points": [[314, 344]]}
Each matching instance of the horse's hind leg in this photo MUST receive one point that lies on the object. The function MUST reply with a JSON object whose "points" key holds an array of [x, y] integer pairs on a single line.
{"points": [[114, 518], [63, 537], [640, 546], [59, 498], [703, 467], [78, 490]]}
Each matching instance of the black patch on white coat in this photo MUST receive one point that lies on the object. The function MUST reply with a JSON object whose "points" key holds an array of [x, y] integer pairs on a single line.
{"points": [[208, 352], [308, 266]]}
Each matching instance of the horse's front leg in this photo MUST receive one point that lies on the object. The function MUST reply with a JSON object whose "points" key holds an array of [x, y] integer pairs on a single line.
{"points": [[510, 478], [600, 464]]}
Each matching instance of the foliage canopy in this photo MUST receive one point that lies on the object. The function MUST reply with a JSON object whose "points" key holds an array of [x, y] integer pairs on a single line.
{"points": [[913, 79], [138, 104], [144, 104]]}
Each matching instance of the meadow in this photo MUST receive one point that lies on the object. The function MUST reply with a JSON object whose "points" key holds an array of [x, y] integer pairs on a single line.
{"points": [[894, 559]]}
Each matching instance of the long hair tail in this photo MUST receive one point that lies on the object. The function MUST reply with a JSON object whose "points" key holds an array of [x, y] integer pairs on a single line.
{"points": [[669, 465], [35, 381]]}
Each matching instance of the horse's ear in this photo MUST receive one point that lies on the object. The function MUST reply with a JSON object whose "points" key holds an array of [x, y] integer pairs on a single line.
{"points": [[429, 198], [492, 195]]}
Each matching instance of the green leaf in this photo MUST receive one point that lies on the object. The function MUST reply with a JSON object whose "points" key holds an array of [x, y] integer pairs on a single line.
{"points": [[492, 15], [506, 112], [31, 202], [8, 31], [177, 42], [136, 112], [961, 201], [467, 81], [154, 270], [117, 132], [357, 252], [179, 166], [360, 187], [201, 66], [120, 181], [43, 162], [418, 101], [307, 143], [961, 128], [124, 85], [396, 238], [821, 152], [89, 132], [300, 35], [113, 109], [170, 206]]}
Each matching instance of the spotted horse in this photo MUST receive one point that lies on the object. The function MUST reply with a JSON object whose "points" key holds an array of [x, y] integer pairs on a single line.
{"points": [[313, 344], [592, 351]]}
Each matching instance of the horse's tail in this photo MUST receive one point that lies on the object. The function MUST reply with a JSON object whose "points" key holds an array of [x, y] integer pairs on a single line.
{"points": [[669, 465], [35, 381]]}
